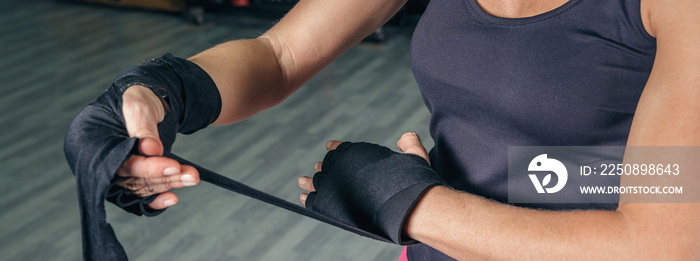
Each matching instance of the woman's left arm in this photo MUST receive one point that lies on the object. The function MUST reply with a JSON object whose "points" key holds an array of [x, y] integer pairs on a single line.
{"points": [[668, 114]]}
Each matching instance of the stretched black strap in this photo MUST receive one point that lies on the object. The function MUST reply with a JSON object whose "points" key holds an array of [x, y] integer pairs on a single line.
{"points": [[97, 145], [240, 188]]}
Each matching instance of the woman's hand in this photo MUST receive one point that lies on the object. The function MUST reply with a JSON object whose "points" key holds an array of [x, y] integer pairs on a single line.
{"points": [[408, 143], [151, 174], [369, 186]]}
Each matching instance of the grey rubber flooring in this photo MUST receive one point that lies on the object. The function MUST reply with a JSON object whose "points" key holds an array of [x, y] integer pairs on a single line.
{"points": [[55, 57]]}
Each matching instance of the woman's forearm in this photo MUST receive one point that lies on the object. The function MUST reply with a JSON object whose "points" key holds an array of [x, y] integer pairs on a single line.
{"points": [[255, 74], [465, 226], [248, 76]]}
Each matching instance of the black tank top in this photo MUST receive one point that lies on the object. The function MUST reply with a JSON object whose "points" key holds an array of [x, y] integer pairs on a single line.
{"points": [[568, 77]]}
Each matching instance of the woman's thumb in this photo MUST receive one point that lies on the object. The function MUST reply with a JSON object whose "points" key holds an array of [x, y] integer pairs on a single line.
{"points": [[150, 146], [410, 143], [142, 112]]}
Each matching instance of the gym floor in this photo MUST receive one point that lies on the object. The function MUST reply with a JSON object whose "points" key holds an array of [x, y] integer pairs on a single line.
{"points": [[57, 56]]}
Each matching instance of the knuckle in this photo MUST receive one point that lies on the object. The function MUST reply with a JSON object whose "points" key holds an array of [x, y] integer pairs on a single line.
{"points": [[132, 184], [167, 186], [152, 172]]}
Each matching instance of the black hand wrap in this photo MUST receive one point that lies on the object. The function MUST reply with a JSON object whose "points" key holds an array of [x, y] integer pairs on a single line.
{"points": [[371, 187], [97, 142]]}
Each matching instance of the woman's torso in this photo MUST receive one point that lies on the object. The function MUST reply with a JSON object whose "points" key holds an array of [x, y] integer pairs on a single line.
{"points": [[569, 76]]}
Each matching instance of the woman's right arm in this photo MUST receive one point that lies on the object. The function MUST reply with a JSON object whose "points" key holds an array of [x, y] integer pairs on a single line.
{"points": [[255, 74], [251, 75]]}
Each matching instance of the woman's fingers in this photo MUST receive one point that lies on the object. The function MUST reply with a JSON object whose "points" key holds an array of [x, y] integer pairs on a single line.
{"points": [[164, 200], [331, 145], [306, 183], [152, 175], [317, 166], [303, 197], [146, 187], [150, 167], [410, 143]]}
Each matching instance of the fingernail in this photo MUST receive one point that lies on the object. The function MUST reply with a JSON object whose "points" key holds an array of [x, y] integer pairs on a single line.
{"points": [[303, 197], [169, 202], [302, 180], [328, 145], [171, 171], [188, 180]]}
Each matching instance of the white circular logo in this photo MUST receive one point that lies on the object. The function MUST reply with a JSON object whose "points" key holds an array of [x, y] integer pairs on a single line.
{"points": [[542, 163]]}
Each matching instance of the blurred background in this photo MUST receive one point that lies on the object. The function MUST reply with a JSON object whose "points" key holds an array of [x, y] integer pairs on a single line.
{"points": [[58, 56]]}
